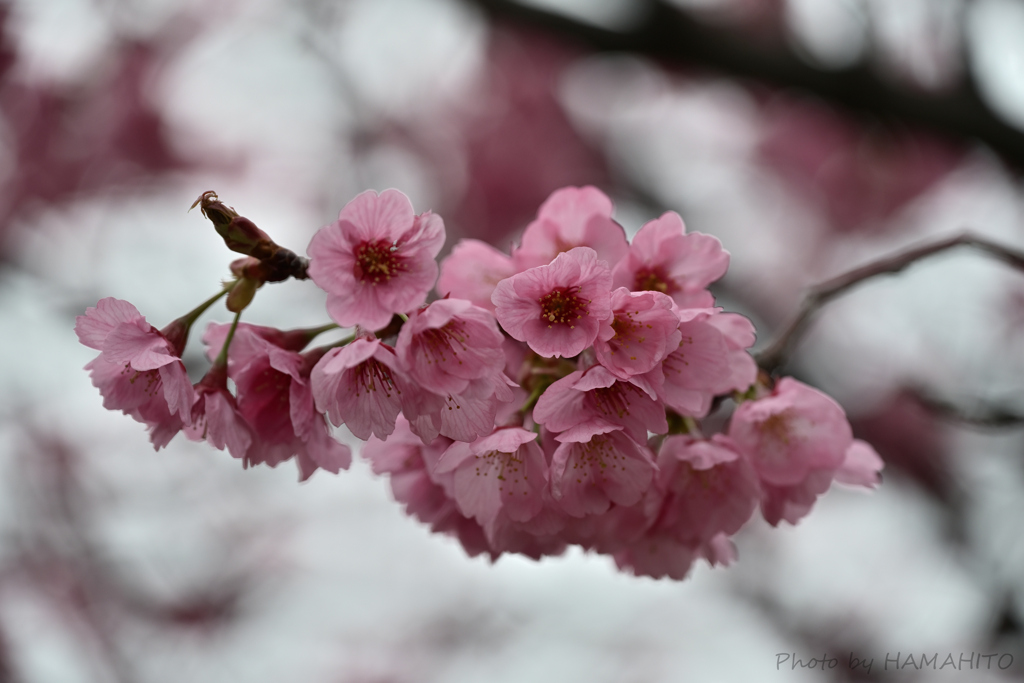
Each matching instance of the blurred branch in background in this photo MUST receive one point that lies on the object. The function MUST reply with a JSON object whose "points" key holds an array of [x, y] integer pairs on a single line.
{"points": [[664, 32]]}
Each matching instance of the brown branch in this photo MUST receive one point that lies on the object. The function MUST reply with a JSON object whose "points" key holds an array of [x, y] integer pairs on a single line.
{"points": [[668, 34], [777, 353]]}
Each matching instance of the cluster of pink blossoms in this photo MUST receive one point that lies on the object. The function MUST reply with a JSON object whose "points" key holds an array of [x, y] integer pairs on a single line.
{"points": [[549, 397]]}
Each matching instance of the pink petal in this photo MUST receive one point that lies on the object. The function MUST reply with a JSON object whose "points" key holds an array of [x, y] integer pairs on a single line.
{"points": [[93, 327]]}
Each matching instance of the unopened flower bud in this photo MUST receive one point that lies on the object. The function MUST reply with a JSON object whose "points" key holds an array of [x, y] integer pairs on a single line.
{"points": [[242, 294], [240, 234]]}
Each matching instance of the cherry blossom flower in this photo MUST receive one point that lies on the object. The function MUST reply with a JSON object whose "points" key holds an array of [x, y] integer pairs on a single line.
{"points": [[597, 394], [139, 369], [792, 431], [275, 396], [710, 488], [799, 440], [597, 464], [446, 345], [861, 466], [663, 258], [662, 555], [360, 385], [502, 473], [453, 353], [472, 271], [643, 329], [465, 416], [215, 416], [556, 309], [571, 217], [377, 259], [706, 363]]}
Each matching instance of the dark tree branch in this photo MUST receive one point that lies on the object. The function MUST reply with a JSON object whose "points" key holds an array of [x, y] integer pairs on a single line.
{"points": [[776, 354], [982, 415], [668, 34]]}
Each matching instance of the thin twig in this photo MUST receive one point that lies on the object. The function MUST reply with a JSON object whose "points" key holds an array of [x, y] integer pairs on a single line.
{"points": [[776, 354]]}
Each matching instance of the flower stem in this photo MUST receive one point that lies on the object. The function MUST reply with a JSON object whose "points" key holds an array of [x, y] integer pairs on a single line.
{"points": [[178, 330], [314, 332], [193, 315], [222, 358]]}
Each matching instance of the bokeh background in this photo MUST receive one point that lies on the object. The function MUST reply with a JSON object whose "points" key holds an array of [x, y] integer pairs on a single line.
{"points": [[810, 136]]}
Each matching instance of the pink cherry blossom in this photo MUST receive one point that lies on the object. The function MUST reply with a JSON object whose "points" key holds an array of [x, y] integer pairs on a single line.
{"points": [[739, 336], [502, 473], [597, 464], [663, 258], [596, 394], [377, 259], [472, 271], [215, 416], [556, 309], [139, 370], [710, 488], [360, 385], [571, 217], [446, 345], [706, 363], [791, 433], [658, 555], [465, 416], [275, 396], [861, 466], [643, 329]]}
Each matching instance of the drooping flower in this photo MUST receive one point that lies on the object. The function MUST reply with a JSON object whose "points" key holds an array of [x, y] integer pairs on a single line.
{"points": [[556, 309], [503, 473], [275, 396], [446, 345], [710, 488], [465, 416], [597, 464], [376, 260], [453, 353], [663, 258], [861, 466], [706, 363], [472, 271], [792, 431], [139, 369], [571, 217], [643, 329], [597, 394], [215, 415], [799, 440], [360, 385], [661, 555]]}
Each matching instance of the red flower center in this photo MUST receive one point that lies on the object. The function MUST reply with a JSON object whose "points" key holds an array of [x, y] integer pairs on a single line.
{"points": [[376, 262], [562, 306], [651, 280]]}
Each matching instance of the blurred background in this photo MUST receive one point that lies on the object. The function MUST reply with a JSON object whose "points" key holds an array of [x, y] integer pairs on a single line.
{"points": [[810, 136]]}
